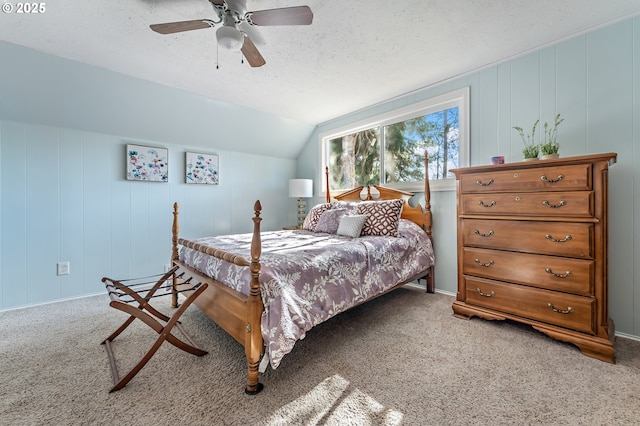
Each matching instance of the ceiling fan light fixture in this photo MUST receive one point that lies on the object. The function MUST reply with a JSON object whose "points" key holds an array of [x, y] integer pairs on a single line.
{"points": [[230, 38]]}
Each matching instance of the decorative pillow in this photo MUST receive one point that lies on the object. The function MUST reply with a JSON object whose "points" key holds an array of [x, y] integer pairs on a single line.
{"points": [[313, 216], [382, 217], [351, 226], [330, 220], [351, 206]]}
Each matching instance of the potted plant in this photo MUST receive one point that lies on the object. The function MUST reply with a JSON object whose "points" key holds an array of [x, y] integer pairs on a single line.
{"points": [[531, 149], [549, 148]]}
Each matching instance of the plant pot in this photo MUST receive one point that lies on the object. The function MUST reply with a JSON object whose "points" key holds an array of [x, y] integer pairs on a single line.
{"points": [[550, 156], [531, 159]]}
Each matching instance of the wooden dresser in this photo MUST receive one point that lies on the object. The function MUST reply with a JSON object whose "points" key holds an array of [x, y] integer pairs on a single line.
{"points": [[532, 247]]}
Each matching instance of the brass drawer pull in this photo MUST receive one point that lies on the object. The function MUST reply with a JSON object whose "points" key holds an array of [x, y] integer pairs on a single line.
{"points": [[489, 182], [560, 311], [491, 294], [491, 204], [554, 206], [488, 234], [486, 265], [565, 275], [558, 179], [564, 240]]}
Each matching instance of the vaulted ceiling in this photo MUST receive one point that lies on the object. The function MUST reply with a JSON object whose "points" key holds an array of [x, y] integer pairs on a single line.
{"points": [[355, 53]]}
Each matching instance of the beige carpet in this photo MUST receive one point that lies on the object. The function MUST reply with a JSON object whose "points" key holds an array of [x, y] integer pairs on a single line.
{"points": [[402, 359]]}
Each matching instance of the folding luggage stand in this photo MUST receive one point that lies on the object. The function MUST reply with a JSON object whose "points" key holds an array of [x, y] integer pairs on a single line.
{"points": [[122, 295]]}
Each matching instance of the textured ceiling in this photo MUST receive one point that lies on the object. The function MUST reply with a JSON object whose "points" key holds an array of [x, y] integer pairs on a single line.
{"points": [[356, 53]]}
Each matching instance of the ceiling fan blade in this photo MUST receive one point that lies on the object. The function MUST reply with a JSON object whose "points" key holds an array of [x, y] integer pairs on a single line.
{"points": [[176, 27], [250, 52], [297, 15]]}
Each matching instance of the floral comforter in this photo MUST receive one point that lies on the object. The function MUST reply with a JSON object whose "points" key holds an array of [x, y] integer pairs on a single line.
{"points": [[307, 277]]}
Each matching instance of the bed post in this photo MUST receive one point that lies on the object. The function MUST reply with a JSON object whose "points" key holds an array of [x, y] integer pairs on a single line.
{"points": [[326, 176], [430, 279], [427, 195], [254, 344], [174, 254], [427, 188]]}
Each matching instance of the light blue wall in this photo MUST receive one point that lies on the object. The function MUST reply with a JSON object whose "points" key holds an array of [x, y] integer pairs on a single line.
{"points": [[45, 89], [65, 198], [593, 80], [63, 131]]}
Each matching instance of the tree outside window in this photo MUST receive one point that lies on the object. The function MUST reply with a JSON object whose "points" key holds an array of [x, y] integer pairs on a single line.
{"points": [[355, 159], [391, 152]]}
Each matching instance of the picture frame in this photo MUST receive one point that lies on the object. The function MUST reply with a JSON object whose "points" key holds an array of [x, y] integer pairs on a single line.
{"points": [[202, 168], [147, 163]]}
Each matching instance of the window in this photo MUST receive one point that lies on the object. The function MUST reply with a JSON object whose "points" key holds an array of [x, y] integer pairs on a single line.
{"points": [[389, 149]]}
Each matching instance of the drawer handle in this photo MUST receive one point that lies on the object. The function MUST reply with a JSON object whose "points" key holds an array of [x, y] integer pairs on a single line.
{"points": [[488, 234], [558, 179], [560, 311], [486, 265], [489, 182], [564, 240], [565, 275], [491, 204], [491, 294], [554, 206]]}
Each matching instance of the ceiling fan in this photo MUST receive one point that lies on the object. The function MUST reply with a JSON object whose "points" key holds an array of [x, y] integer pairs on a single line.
{"points": [[232, 14]]}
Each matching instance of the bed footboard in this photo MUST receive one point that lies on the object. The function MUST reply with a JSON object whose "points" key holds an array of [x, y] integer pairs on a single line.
{"points": [[236, 313]]}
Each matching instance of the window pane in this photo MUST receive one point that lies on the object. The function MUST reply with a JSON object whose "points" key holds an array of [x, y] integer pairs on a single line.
{"points": [[392, 148], [405, 143], [354, 159]]}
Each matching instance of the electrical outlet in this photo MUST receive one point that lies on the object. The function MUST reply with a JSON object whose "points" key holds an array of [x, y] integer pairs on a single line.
{"points": [[64, 268]]}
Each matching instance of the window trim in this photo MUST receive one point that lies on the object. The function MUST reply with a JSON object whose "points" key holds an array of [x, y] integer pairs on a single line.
{"points": [[457, 98]]}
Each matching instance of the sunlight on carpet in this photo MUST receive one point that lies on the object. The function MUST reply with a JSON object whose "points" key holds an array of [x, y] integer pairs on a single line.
{"points": [[332, 402]]}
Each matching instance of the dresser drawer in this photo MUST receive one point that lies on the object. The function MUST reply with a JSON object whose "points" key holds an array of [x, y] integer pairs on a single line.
{"points": [[554, 273], [561, 309], [552, 178], [548, 204], [566, 239]]}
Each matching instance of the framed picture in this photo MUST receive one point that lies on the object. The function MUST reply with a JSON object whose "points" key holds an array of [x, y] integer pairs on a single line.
{"points": [[147, 163], [202, 168]]}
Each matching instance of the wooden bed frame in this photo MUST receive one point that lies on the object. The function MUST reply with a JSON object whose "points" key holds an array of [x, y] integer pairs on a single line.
{"points": [[239, 314]]}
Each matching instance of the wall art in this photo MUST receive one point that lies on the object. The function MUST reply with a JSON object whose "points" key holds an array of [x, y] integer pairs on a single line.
{"points": [[202, 168], [147, 163]]}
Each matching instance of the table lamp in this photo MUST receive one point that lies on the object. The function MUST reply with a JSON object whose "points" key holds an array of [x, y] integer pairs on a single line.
{"points": [[301, 189]]}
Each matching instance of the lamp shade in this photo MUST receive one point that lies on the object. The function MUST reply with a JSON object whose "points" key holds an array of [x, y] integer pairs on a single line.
{"points": [[300, 188]]}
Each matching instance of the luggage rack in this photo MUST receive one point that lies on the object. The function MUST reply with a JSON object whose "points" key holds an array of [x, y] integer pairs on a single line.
{"points": [[141, 291]]}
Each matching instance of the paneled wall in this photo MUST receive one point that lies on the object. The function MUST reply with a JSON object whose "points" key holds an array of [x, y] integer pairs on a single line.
{"points": [[593, 80], [65, 198]]}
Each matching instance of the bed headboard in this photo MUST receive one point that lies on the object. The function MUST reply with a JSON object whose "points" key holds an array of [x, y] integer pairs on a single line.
{"points": [[417, 214]]}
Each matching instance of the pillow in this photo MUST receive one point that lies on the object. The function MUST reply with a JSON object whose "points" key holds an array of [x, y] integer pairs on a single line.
{"points": [[313, 216], [329, 221], [351, 206], [382, 217], [351, 226]]}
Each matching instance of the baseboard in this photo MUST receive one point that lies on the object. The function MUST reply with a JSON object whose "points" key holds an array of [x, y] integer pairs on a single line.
{"points": [[33, 305], [628, 336]]}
